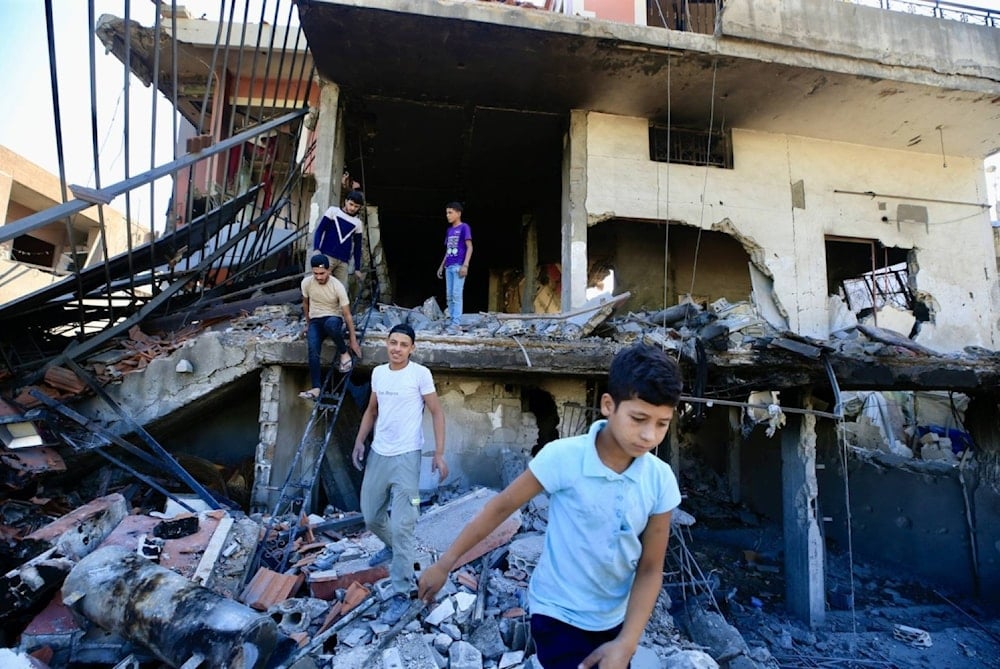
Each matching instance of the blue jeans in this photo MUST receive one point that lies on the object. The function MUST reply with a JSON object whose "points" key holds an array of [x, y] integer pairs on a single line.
{"points": [[319, 329], [454, 285]]}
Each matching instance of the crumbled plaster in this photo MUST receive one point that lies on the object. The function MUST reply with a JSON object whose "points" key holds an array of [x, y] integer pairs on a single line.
{"points": [[594, 219], [753, 249], [217, 359]]}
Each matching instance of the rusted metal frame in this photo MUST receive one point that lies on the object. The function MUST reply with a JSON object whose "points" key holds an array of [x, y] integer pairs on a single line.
{"points": [[91, 344], [135, 473], [126, 105], [284, 49], [45, 298], [57, 118], [263, 238], [91, 21], [167, 459], [154, 92], [109, 437], [42, 218]]}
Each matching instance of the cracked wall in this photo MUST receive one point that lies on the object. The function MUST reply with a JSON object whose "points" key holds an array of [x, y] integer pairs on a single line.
{"points": [[759, 198]]}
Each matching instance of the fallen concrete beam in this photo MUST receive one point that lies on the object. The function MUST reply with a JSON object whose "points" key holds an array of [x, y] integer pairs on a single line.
{"points": [[439, 527]]}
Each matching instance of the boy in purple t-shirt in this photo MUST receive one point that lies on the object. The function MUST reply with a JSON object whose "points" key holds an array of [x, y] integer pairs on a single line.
{"points": [[454, 266]]}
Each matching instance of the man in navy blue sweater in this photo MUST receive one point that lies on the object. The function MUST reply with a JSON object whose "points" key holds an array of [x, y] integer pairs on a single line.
{"points": [[338, 235]]}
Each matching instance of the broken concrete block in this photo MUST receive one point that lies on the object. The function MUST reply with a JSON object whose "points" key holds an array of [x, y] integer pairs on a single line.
{"points": [[437, 528], [297, 614], [486, 637], [690, 659], [710, 629], [512, 658], [416, 652], [391, 659], [441, 613], [463, 655], [173, 617], [525, 551], [464, 601], [83, 529]]}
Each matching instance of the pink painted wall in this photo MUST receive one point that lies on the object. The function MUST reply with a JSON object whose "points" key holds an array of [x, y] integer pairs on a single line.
{"points": [[622, 11]]}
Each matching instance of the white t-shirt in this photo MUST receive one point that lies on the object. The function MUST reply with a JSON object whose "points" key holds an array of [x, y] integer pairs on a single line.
{"points": [[400, 393]]}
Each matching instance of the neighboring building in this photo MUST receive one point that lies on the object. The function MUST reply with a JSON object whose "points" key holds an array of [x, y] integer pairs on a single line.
{"points": [[46, 255]]}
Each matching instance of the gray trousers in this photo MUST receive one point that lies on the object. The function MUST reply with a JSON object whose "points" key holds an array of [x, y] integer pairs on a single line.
{"points": [[393, 482]]}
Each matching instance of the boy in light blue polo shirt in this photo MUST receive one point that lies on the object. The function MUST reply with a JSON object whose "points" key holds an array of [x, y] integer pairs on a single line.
{"points": [[610, 500]]}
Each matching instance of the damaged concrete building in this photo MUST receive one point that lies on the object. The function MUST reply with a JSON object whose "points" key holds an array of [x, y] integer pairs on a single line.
{"points": [[790, 198]]}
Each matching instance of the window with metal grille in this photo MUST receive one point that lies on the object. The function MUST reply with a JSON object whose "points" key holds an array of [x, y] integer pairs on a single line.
{"points": [[690, 147]]}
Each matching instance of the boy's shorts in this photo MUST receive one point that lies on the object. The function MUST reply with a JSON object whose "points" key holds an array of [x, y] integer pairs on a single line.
{"points": [[559, 645]]}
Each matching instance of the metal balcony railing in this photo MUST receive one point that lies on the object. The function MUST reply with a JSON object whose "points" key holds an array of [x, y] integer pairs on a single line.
{"points": [[941, 10]]}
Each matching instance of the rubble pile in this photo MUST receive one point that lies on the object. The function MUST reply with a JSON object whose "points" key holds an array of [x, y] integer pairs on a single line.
{"points": [[105, 583]]}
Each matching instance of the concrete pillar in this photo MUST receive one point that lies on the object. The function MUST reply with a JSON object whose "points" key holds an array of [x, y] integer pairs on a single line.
{"points": [[373, 254], [574, 213], [328, 165], [673, 434], [735, 448], [270, 393], [530, 228], [6, 183], [804, 574]]}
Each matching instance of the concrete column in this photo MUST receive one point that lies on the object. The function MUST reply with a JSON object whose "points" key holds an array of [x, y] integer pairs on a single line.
{"points": [[328, 165], [6, 182], [374, 254], [270, 393], [574, 213], [804, 574], [675, 448], [530, 228], [735, 449]]}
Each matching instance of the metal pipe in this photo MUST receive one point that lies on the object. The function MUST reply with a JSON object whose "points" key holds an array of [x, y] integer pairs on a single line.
{"points": [[173, 617]]}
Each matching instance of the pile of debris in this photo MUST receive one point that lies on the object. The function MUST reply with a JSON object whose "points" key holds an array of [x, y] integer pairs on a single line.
{"points": [[106, 584]]}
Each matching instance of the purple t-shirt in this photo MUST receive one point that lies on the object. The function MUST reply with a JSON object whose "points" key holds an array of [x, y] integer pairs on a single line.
{"points": [[454, 244]]}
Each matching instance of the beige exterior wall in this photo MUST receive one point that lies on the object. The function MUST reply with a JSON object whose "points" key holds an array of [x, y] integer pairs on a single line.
{"points": [[26, 189], [957, 263]]}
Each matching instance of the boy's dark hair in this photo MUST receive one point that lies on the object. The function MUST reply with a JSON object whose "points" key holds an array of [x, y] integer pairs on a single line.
{"points": [[457, 206], [647, 373], [356, 196]]}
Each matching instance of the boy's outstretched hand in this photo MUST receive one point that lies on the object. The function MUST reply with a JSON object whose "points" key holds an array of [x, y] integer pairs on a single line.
{"points": [[611, 655], [431, 581]]}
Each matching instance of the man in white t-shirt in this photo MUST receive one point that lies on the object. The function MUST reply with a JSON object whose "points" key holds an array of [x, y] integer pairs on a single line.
{"points": [[401, 390]]}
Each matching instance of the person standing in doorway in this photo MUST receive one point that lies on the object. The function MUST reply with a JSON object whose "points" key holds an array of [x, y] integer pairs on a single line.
{"points": [[455, 265], [390, 491], [327, 310], [338, 236]]}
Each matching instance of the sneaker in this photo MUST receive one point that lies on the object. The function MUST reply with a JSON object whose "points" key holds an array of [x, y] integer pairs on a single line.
{"points": [[383, 555], [398, 606]]}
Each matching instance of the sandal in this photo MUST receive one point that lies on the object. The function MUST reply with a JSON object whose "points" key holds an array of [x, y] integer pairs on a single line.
{"points": [[309, 394], [345, 365]]}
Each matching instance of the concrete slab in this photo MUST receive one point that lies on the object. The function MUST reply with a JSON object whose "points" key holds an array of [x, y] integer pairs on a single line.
{"points": [[437, 528]]}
